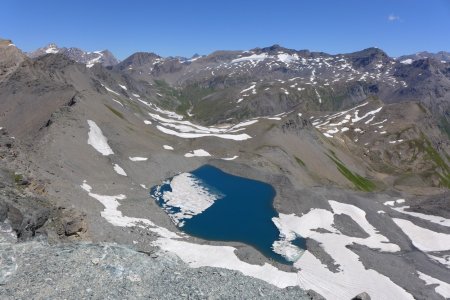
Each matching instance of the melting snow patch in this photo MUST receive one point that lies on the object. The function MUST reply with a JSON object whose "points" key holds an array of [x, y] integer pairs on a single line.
{"points": [[98, 140], [110, 90], [395, 142], [198, 152], [287, 58], [434, 219], [254, 57], [393, 202], [230, 158], [424, 239], [250, 88], [113, 215], [147, 122], [167, 147], [137, 158], [123, 87], [442, 288], [318, 96], [119, 170], [407, 61], [445, 260], [117, 101], [370, 113]]}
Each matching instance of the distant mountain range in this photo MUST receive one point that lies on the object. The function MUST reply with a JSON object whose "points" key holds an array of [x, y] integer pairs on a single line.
{"points": [[104, 57], [441, 56]]}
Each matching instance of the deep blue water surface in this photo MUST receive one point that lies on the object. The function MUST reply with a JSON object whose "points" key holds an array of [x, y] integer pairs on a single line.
{"points": [[244, 213]]}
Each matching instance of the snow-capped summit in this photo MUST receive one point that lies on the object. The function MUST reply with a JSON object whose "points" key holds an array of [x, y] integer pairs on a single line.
{"points": [[104, 57]]}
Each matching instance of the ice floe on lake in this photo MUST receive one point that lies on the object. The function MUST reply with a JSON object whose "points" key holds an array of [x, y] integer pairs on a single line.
{"points": [[186, 198]]}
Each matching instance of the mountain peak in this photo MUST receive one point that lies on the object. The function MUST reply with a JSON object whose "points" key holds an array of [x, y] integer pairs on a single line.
{"points": [[104, 57]]}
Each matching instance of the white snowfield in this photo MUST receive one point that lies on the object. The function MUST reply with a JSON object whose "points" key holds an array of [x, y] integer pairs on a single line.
{"points": [[352, 277], [442, 288], [198, 153], [137, 158], [119, 170], [97, 140], [224, 257], [424, 239], [189, 197]]}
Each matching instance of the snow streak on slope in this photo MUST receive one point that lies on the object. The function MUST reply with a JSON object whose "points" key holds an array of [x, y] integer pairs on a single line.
{"points": [[434, 219], [138, 158], [98, 140], [422, 238], [114, 216], [186, 129], [236, 137]]}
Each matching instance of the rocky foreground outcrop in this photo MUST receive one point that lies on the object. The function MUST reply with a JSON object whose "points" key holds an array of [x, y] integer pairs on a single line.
{"points": [[35, 270]]}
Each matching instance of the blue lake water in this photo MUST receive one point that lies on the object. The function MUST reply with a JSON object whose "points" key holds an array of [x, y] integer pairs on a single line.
{"points": [[243, 211]]}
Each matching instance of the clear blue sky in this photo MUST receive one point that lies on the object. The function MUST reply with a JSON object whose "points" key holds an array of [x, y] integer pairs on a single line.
{"points": [[186, 27]]}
